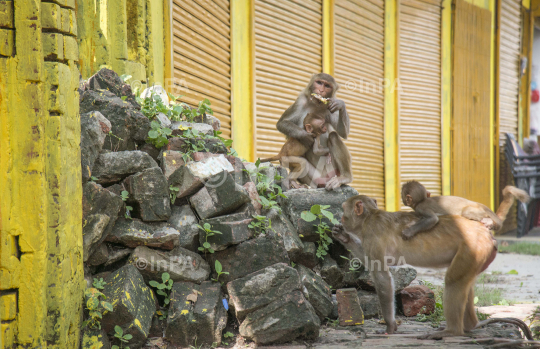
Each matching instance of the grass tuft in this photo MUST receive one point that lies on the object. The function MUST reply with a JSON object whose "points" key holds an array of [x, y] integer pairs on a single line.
{"points": [[528, 248]]}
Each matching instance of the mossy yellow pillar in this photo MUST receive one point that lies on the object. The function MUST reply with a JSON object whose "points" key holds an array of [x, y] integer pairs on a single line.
{"points": [[243, 78], [41, 272]]}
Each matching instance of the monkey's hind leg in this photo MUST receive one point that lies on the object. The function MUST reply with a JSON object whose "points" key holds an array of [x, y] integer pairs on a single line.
{"points": [[458, 283], [342, 160]]}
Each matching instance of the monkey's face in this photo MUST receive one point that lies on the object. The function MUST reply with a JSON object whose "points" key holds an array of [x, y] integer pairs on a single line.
{"points": [[317, 127], [354, 209], [322, 88]]}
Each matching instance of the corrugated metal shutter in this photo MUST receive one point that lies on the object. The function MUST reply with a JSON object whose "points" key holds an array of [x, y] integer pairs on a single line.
{"points": [[471, 105], [419, 73], [201, 44], [288, 50], [359, 68], [509, 66]]}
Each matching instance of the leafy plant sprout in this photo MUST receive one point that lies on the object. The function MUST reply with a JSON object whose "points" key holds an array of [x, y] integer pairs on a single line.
{"points": [[323, 229], [219, 270], [124, 338], [96, 306], [260, 224], [207, 228], [125, 195], [163, 289]]}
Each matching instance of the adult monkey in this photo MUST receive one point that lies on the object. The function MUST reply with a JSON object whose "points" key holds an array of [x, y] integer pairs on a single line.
{"points": [[465, 246], [291, 124]]}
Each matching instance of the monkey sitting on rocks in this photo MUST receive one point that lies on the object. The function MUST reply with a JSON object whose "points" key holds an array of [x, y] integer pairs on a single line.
{"points": [[418, 198], [315, 125], [319, 97]]}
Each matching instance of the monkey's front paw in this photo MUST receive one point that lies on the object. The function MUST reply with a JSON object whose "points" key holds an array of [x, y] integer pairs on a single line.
{"points": [[339, 234]]}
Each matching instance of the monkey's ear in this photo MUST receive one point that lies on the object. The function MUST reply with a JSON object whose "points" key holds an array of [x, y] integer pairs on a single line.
{"points": [[309, 128], [428, 194], [359, 208], [375, 201]]}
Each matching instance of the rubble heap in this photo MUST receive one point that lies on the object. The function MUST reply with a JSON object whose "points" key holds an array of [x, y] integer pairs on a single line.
{"points": [[182, 242]]}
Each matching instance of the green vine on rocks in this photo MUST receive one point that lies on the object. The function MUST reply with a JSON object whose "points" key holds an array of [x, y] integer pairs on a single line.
{"points": [[323, 229]]}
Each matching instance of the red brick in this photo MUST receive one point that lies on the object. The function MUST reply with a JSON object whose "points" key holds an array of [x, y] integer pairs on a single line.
{"points": [[415, 298], [349, 310]]}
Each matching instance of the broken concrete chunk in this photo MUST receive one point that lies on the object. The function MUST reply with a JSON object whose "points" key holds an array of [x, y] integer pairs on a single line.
{"points": [[308, 257], [133, 304], [184, 220], [106, 79], [284, 228], [93, 230], [369, 301], [261, 252], [281, 321], [96, 202], [220, 195], [171, 160], [100, 256], [316, 291], [128, 125], [196, 314], [113, 167], [233, 228], [181, 264], [133, 233], [302, 199], [149, 195], [331, 272], [178, 128], [258, 289], [94, 128]]}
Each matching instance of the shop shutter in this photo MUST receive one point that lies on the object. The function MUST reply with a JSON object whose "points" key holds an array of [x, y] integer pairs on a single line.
{"points": [[359, 68], [419, 93], [509, 66], [471, 103], [202, 55], [288, 50]]}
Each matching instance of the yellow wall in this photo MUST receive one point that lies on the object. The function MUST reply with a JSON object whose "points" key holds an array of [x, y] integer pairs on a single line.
{"points": [[126, 36], [41, 274]]}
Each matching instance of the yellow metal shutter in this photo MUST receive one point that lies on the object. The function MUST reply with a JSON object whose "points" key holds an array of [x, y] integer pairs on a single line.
{"points": [[288, 49], [201, 44], [509, 66], [419, 73], [471, 103], [359, 68]]}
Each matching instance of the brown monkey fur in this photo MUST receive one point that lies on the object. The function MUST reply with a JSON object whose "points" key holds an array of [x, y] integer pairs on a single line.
{"points": [[315, 124], [335, 113], [417, 197], [464, 246]]}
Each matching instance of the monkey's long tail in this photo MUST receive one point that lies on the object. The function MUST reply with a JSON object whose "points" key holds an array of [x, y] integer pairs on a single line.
{"points": [[510, 193], [273, 158]]}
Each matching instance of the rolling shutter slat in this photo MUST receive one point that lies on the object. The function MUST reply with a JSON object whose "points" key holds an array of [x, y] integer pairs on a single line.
{"points": [[509, 62], [419, 73], [201, 44], [288, 50], [359, 58]]}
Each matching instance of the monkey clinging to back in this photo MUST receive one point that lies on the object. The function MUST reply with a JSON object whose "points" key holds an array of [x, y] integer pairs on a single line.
{"points": [[418, 198], [315, 125]]}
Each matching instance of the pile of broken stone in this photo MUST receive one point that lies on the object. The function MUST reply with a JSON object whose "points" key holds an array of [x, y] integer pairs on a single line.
{"points": [[276, 289]]}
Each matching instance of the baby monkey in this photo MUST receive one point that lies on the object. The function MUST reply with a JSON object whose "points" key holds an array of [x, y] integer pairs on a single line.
{"points": [[418, 198], [315, 124]]}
